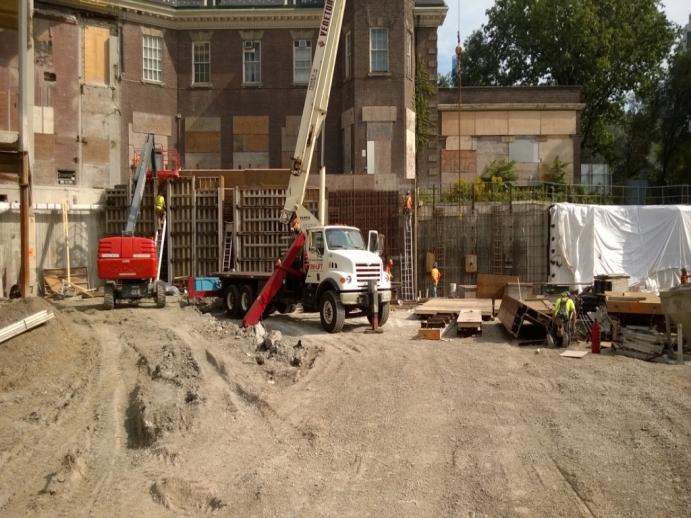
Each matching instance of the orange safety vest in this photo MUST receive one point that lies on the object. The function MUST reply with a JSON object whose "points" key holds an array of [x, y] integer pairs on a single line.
{"points": [[436, 275], [408, 203]]}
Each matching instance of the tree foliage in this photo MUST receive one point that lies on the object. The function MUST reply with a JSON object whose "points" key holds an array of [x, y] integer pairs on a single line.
{"points": [[608, 47], [423, 90], [501, 169]]}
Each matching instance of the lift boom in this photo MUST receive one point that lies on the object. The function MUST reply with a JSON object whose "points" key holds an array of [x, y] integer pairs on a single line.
{"points": [[314, 111]]}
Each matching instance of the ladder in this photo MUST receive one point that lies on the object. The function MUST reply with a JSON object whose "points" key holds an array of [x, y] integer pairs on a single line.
{"points": [[160, 244], [407, 291], [227, 247], [497, 241]]}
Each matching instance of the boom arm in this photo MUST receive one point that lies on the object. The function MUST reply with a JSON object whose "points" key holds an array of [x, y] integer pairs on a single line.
{"points": [[147, 158], [316, 103]]}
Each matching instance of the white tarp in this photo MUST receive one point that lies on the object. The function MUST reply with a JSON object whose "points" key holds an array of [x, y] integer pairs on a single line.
{"points": [[649, 243]]}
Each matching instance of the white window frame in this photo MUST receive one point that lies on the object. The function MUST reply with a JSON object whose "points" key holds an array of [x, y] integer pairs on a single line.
{"points": [[152, 59], [348, 63], [409, 54], [196, 44], [257, 51], [372, 50], [302, 44]]}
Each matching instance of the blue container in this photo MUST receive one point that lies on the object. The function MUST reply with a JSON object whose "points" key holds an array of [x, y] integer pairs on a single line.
{"points": [[207, 284]]}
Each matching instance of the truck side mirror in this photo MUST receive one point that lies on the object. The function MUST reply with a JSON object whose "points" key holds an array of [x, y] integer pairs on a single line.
{"points": [[380, 245], [373, 242]]}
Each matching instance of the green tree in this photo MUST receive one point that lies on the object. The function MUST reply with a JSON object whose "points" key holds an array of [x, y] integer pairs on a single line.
{"points": [[502, 169], [673, 101], [557, 172], [608, 47], [444, 80]]}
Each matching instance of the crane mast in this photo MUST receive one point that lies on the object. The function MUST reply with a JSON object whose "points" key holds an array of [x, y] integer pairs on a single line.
{"points": [[314, 110]]}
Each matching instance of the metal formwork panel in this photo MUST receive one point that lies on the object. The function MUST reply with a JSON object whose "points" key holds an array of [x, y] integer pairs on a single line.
{"points": [[260, 238], [208, 230], [181, 214], [118, 201]]}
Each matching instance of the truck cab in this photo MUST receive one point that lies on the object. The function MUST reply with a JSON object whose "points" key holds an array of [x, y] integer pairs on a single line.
{"points": [[341, 271]]}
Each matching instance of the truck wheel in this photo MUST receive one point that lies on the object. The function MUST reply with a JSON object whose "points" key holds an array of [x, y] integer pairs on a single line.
{"points": [[160, 296], [246, 299], [270, 309], [231, 300], [383, 314], [108, 297], [332, 312]]}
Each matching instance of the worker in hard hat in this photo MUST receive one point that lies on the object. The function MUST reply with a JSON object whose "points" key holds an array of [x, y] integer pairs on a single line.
{"points": [[408, 211], [436, 275], [160, 210], [295, 224], [387, 269], [565, 307], [562, 327]]}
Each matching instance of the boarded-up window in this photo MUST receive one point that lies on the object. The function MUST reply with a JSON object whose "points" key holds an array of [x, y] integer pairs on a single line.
{"points": [[96, 55], [523, 150]]}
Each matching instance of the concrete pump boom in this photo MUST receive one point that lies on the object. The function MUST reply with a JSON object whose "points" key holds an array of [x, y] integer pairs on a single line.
{"points": [[314, 111]]}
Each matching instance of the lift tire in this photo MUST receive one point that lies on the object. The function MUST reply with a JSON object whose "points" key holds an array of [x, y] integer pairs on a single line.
{"points": [[108, 297], [160, 295], [246, 299], [231, 300], [270, 310], [331, 312], [384, 309]]}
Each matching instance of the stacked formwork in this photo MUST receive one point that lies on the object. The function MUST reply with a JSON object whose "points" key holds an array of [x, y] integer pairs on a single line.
{"points": [[193, 229], [259, 237]]}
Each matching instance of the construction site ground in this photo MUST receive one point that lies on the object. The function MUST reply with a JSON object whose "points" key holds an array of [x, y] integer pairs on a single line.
{"points": [[173, 412]]}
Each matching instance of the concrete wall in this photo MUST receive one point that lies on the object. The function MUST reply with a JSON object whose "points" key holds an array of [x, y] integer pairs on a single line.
{"points": [[85, 230]]}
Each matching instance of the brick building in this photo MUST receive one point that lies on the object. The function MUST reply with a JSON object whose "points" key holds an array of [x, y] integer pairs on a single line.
{"points": [[223, 82]]}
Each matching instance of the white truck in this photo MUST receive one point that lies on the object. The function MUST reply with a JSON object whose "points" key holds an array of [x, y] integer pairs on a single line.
{"points": [[328, 269]]}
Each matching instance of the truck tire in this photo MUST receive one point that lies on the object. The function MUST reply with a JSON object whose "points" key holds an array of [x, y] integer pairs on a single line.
{"points": [[246, 299], [331, 312], [231, 300], [270, 310], [160, 295], [384, 309], [108, 297]]}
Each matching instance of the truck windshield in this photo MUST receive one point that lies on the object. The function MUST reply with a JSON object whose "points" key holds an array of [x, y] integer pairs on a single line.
{"points": [[344, 239]]}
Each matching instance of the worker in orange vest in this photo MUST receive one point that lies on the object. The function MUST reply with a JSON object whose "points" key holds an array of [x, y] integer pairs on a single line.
{"points": [[684, 276], [387, 269], [408, 211], [436, 275]]}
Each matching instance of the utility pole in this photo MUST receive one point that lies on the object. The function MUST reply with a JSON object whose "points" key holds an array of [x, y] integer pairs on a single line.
{"points": [[25, 49]]}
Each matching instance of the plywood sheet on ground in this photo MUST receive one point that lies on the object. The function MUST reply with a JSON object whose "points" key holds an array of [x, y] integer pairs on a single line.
{"points": [[492, 286], [449, 306], [469, 318]]}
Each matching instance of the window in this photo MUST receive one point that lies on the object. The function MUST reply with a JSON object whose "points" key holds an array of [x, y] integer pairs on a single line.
{"points": [[409, 55], [302, 61], [317, 242], [67, 177], [252, 69], [201, 57], [524, 150], [379, 50], [153, 58], [348, 55]]}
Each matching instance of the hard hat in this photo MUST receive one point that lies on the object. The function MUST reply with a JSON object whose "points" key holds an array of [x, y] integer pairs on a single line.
{"points": [[390, 261], [565, 294], [434, 264], [407, 192]]}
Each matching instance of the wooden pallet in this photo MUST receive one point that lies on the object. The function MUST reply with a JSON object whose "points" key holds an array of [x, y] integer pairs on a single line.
{"points": [[469, 321], [436, 326], [455, 306]]}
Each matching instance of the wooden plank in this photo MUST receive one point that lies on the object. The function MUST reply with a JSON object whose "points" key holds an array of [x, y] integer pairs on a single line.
{"points": [[469, 318], [436, 333], [492, 286], [437, 306], [634, 307], [573, 354]]}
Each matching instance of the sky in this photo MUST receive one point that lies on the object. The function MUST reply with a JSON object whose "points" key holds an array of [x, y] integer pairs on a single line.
{"points": [[473, 16]]}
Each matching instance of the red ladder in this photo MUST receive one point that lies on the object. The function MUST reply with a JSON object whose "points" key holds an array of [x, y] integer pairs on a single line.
{"points": [[273, 285]]}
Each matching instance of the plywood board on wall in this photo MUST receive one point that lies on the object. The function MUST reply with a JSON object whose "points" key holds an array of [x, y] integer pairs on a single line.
{"points": [[449, 161], [382, 150], [152, 123], [524, 123], [203, 124], [449, 123], [96, 151], [492, 123], [250, 143], [202, 142], [251, 125], [96, 54], [44, 146], [558, 123], [467, 143], [552, 148], [293, 125]]}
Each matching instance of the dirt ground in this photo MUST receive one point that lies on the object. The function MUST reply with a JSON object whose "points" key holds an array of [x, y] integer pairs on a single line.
{"points": [[174, 412]]}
